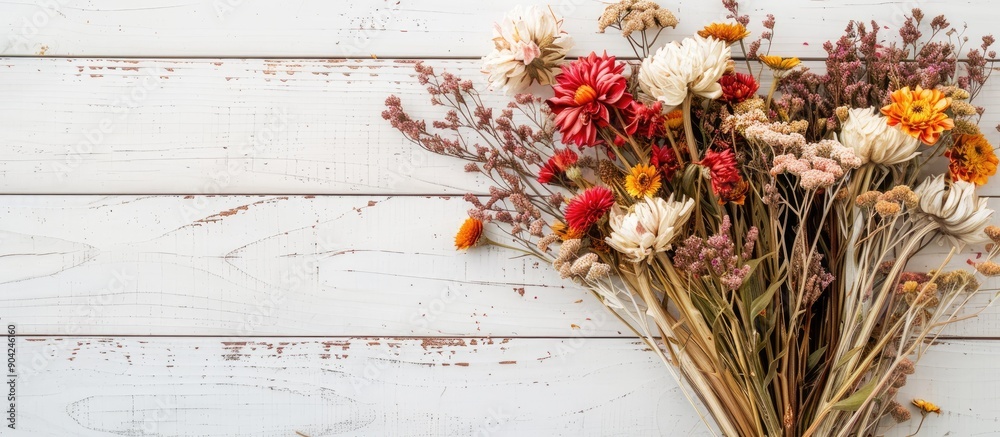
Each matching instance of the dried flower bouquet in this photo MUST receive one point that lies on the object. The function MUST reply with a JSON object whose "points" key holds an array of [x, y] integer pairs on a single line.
{"points": [[758, 240]]}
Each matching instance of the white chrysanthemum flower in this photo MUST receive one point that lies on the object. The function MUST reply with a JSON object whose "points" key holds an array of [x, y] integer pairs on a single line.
{"points": [[961, 215], [648, 228], [693, 65], [873, 140], [529, 46]]}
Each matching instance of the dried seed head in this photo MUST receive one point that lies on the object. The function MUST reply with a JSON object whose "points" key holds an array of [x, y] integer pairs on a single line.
{"points": [[598, 271], [887, 209], [963, 109], [898, 412], [994, 233], [582, 264], [546, 241], [608, 172], [988, 268], [868, 199]]}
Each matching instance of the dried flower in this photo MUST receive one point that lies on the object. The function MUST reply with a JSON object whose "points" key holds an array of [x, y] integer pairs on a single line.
{"points": [[635, 16], [665, 160], [598, 271], [469, 234], [777, 63], [738, 87], [694, 65], [972, 159], [587, 93], [529, 45], [926, 407], [588, 207], [988, 268], [728, 32], [994, 233], [642, 181], [919, 113], [873, 140], [557, 165], [898, 412], [722, 170], [648, 227], [961, 215]]}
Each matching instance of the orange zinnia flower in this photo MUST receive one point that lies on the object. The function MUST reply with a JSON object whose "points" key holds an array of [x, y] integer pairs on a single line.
{"points": [[972, 159], [778, 63], [469, 234], [728, 32], [919, 113], [642, 181]]}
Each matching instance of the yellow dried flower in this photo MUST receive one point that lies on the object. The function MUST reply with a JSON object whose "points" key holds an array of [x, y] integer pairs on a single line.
{"points": [[728, 32], [842, 113], [674, 119], [642, 181], [909, 287], [778, 63], [958, 94], [926, 407]]}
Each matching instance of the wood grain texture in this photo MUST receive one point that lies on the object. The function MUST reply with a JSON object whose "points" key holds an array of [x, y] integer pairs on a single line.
{"points": [[246, 126], [408, 387], [287, 265], [398, 28]]}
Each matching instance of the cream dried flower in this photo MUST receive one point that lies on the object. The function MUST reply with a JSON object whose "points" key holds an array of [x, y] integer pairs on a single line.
{"points": [[961, 215], [873, 140], [693, 65], [635, 16], [648, 227], [529, 46]]}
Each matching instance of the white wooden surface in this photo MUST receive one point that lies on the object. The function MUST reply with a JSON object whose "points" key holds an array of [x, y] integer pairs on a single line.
{"points": [[321, 296]]}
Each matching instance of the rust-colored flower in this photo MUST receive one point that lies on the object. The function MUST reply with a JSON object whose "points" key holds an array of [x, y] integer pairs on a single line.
{"points": [[738, 87], [919, 113], [588, 207], [972, 159], [665, 160], [728, 32], [778, 63], [565, 232], [469, 234], [643, 181], [926, 407], [556, 166], [735, 192]]}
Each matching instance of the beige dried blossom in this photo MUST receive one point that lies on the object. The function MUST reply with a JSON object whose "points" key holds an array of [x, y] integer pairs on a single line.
{"points": [[965, 127], [994, 233], [546, 241], [887, 209], [963, 109], [868, 199], [957, 280], [582, 264], [635, 16], [598, 271], [988, 268], [898, 412], [608, 172]]}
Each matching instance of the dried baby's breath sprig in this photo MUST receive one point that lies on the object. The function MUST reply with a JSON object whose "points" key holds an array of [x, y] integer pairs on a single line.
{"points": [[637, 16]]}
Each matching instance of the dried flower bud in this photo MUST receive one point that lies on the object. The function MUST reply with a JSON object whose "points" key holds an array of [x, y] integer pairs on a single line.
{"points": [[965, 127], [988, 268], [887, 209], [868, 199], [546, 241], [582, 264], [565, 271], [994, 233], [598, 271], [963, 109], [898, 412], [608, 172], [959, 94], [842, 113], [906, 367], [568, 249]]}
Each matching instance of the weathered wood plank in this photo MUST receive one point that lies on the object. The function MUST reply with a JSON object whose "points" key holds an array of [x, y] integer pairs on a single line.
{"points": [[430, 28], [266, 265], [114, 126], [406, 387]]}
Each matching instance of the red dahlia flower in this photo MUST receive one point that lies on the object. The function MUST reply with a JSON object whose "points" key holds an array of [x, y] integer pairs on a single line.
{"points": [[738, 87], [647, 120], [587, 93], [723, 170], [588, 207], [665, 160], [557, 165]]}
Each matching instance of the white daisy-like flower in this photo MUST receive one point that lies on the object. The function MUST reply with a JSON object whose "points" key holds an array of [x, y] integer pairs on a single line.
{"points": [[693, 65], [648, 227], [961, 215], [529, 45], [873, 140]]}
